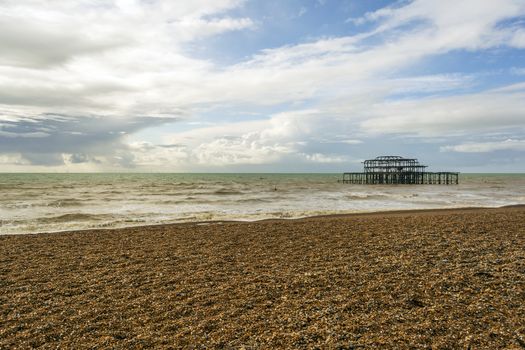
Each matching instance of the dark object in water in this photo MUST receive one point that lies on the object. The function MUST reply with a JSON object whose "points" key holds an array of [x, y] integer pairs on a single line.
{"points": [[399, 170]]}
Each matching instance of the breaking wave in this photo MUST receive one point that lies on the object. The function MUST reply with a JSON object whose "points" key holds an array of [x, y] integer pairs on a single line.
{"points": [[40, 202]]}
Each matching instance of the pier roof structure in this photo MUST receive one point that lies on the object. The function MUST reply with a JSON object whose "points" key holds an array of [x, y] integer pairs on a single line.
{"points": [[393, 164]]}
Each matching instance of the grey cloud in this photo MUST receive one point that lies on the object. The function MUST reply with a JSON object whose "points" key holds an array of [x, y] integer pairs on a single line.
{"points": [[484, 147], [29, 43], [48, 159], [43, 94], [78, 158], [83, 137], [124, 159], [175, 145]]}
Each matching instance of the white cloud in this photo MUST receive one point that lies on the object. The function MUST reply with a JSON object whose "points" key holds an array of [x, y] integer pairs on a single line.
{"points": [[248, 149], [169, 157], [256, 142], [187, 28], [352, 142], [517, 70], [323, 158], [113, 58], [124, 59], [518, 39], [129, 58], [454, 115], [467, 24], [283, 137], [13, 159], [484, 147]]}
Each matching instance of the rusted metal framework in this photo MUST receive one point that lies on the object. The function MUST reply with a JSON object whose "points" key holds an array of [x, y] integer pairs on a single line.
{"points": [[399, 170]]}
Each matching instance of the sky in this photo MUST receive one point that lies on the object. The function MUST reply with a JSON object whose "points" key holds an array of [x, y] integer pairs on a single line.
{"points": [[260, 85]]}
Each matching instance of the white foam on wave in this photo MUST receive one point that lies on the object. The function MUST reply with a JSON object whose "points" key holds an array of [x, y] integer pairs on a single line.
{"points": [[32, 203]]}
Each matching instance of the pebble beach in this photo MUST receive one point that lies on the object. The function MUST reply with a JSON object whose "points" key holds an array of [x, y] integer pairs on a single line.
{"points": [[440, 279]]}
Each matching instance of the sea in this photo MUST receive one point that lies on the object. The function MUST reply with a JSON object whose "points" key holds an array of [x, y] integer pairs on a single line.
{"points": [[33, 203]]}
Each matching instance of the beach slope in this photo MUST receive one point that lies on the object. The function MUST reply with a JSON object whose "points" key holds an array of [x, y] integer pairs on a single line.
{"points": [[440, 279]]}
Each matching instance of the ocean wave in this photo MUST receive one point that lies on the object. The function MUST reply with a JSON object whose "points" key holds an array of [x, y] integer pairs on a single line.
{"points": [[18, 205], [254, 200], [59, 203], [73, 217], [227, 191], [365, 196], [168, 202], [112, 192], [36, 204], [65, 202]]}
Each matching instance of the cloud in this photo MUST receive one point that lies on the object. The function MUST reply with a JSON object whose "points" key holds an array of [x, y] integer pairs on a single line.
{"points": [[452, 115], [517, 70], [258, 142], [292, 136], [76, 78], [44, 139], [79, 158], [35, 34], [471, 25], [351, 142], [188, 27], [29, 44], [145, 67], [13, 159], [248, 149], [518, 39], [484, 147], [95, 57], [323, 158], [333, 66], [171, 157]]}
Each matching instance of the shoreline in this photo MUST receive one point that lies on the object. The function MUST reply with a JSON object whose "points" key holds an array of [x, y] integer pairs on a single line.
{"points": [[218, 221]]}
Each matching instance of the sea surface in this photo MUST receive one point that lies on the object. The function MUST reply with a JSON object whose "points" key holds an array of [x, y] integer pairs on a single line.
{"points": [[32, 203]]}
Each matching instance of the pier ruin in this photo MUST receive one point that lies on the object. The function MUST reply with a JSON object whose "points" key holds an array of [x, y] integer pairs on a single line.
{"points": [[399, 170]]}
